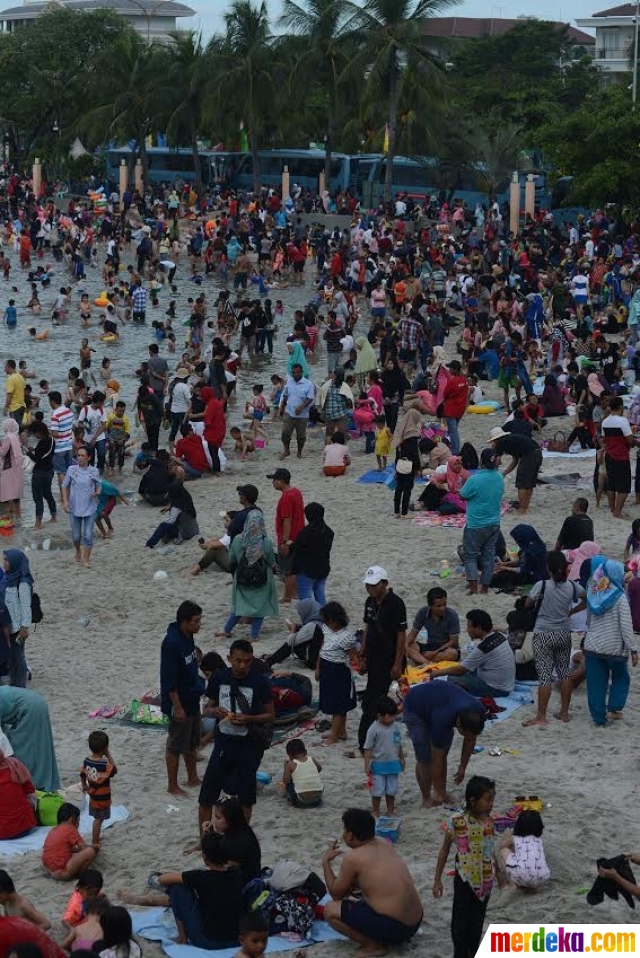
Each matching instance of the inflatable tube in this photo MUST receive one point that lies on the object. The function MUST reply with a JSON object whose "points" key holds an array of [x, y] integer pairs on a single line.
{"points": [[483, 408], [101, 302], [263, 777], [108, 338]]}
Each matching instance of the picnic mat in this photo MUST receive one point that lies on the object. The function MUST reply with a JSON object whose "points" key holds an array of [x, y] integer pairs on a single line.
{"points": [[569, 479], [35, 840], [375, 477], [582, 454], [423, 519], [157, 924]]}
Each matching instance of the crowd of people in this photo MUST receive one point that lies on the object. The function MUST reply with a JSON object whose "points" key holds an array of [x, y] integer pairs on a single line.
{"points": [[402, 323]]}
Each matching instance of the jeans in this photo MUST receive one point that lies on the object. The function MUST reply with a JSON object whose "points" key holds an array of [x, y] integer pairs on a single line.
{"points": [[99, 453], [41, 490], [168, 530], [261, 338], [190, 472], [600, 670], [311, 588], [82, 529], [479, 544], [269, 334], [256, 625], [633, 329], [17, 663], [474, 685], [333, 360], [187, 911], [454, 435], [369, 442]]}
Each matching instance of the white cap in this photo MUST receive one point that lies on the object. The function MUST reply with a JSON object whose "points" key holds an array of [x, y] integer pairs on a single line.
{"points": [[374, 575]]}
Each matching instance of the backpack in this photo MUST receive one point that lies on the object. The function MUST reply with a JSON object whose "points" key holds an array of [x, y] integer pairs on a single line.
{"points": [[37, 615], [252, 574], [469, 456]]}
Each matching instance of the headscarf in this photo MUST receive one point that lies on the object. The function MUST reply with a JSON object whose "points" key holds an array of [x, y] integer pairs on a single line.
{"points": [[18, 772], [297, 358], [393, 381], [606, 585], [11, 430], [595, 386], [19, 570], [366, 360], [455, 480], [438, 358], [533, 552], [587, 550], [309, 611], [253, 536], [409, 426], [180, 498]]}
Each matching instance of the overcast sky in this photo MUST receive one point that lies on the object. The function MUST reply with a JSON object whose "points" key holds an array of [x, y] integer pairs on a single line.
{"points": [[209, 16]]}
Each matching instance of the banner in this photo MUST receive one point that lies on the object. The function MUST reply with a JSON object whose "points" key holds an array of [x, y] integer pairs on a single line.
{"points": [[559, 938]]}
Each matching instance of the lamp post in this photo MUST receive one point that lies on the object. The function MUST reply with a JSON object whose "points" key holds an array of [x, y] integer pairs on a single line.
{"points": [[634, 89], [148, 11]]}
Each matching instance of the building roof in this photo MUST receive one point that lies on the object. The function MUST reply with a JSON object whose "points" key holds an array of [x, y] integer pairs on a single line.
{"points": [[624, 10], [472, 28], [131, 8]]}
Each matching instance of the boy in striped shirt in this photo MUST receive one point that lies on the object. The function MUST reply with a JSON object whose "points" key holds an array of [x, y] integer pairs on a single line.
{"points": [[96, 774]]}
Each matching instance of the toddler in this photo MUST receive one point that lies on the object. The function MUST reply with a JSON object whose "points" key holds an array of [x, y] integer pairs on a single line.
{"points": [[142, 458], [243, 441], [256, 410], [365, 419], [96, 774], [89, 930], [384, 442], [15, 905], [335, 457], [107, 499], [383, 756], [89, 886], [523, 853], [301, 776], [65, 853], [253, 936]]}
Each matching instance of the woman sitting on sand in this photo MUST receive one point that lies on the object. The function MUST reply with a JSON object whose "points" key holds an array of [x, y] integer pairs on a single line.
{"points": [[444, 487], [24, 719], [181, 520], [531, 564], [17, 799]]}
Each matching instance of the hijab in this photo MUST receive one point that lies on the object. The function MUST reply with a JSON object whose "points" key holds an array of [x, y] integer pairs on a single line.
{"points": [[409, 426], [18, 773], [11, 430], [253, 536], [587, 550], [309, 611], [455, 480], [297, 358], [19, 570], [438, 358], [605, 587], [533, 551], [180, 498], [393, 380], [366, 360]]}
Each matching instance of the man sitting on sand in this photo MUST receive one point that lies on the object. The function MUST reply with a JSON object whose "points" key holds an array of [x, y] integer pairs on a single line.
{"points": [[389, 911]]}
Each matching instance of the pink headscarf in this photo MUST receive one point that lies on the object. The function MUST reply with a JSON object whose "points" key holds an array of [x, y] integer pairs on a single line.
{"points": [[455, 480], [577, 556]]}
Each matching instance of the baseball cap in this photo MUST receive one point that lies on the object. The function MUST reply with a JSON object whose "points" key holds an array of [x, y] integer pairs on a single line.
{"points": [[488, 459], [497, 433], [375, 574], [282, 474], [249, 492]]}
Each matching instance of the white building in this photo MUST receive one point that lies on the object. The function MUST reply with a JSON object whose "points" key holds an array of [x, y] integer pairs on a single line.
{"points": [[154, 19], [615, 37]]}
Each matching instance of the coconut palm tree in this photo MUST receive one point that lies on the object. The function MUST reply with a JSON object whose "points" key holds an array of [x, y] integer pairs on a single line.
{"points": [[188, 82], [390, 32]]}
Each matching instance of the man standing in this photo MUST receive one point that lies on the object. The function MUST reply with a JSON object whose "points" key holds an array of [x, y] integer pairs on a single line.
{"points": [[240, 698], [383, 643], [180, 691], [14, 387], [61, 429], [618, 439], [410, 335], [140, 296], [432, 712], [333, 338], [483, 492], [158, 371], [289, 522], [297, 397]]}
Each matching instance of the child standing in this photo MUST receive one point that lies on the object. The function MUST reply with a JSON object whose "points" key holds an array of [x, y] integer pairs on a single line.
{"points": [[107, 499], [384, 442], [472, 834], [365, 419], [11, 314], [333, 671], [383, 756], [96, 774], [65, 853], [523, 852], [118, 431], [256, 410], [17, 905], [301, 776]]}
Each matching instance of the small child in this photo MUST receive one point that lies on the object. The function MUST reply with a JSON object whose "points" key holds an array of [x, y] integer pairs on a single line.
{"points": [[85, 354], [365, 419], [471, 831], [117, 934], [107, 499], [84, 935], [142, 458], [89, 886], [209, 663], [632, 544], [384, 442], [118, 431], [256, 410], [383, 756], [301, 776], [244, 441], [333, 670], [65, 853], [335, 457], [276, 395], [11, 314], [523, 852], [253, 936], [96, 774], [17, 906]]}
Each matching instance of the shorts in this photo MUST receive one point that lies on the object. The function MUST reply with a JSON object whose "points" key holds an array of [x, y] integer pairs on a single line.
{"points": [[334, 470], [618, 474], [285, 564], [107, 509], [379, 312], [420, 736], [184, 736], [407, 355], [298, 267], [291, 424], [258, 414], [61, 461], [139, 315], [100, 814], [528, 469], [382, 928], [384, 785]]}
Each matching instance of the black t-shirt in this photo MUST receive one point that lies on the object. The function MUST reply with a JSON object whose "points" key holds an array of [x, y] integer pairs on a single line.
{"points": [[608, 360], [228, 692], [219, 895], [575, 530], [515, 445], [248, 325], [243, 847], [384, 622]]}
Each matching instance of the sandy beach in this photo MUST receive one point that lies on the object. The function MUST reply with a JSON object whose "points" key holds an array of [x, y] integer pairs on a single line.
{"points": [[586, 777]]}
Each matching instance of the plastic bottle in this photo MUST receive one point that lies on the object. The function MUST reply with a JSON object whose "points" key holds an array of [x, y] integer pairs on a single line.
{"points": [[444, 569]]}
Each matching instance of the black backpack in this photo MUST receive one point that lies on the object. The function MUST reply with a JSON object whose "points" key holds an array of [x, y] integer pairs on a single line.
{"points": [[469, 456], [37, 615]]}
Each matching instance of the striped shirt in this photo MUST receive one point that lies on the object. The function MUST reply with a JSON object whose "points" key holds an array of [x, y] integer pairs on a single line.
{"points": [[337, 645], [96, 774], [62, 424], [611, 634]]}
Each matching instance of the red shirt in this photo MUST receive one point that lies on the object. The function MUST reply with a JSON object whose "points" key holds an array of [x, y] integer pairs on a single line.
{"points": [[15, 931], [290, 506], [58, 846], [455, 395], [16, 812], [191, 449], [215, 424]]}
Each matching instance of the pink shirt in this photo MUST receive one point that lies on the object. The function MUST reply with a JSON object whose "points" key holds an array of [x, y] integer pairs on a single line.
{"points": [[334, 454]]}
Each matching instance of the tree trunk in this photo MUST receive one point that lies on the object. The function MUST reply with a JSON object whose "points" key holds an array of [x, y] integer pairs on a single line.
{"points": [[328, 146], [197, 166], [145, 158], [392, 121], [256, 163]]}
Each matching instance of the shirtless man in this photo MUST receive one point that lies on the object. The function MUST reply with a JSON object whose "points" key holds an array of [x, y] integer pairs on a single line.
{"points": [[390, 911]]}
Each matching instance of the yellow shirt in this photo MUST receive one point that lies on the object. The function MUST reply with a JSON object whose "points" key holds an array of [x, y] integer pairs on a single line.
{"points": [[14, 387]]}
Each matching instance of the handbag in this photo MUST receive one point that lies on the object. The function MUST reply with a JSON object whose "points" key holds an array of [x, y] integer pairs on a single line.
{"points": [[27, 465], [404, 467], [526, 618], [558, 444]]}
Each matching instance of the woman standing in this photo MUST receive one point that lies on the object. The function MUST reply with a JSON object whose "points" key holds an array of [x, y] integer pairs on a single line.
{"points": [[80, 491], [393, 389], [42, 475], [24, 718], [312, 554], [405, 440], [335, 399], [11, 471], [17, 586], [608, 642], [253, 594], [297, 358], [366, 361], [149, 412]]}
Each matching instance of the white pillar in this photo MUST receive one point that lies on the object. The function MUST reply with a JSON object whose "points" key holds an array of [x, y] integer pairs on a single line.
{"points": [[285, 184], [321, 184], [514, 204], [37, 177], [124, 182], [530, 196], [138, 173]]}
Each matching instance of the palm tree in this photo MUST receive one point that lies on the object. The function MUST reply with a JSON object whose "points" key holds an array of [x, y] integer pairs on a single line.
{"points": [[496, 149], [390, 32], [245, 61], [325, 26], [188, 79]]}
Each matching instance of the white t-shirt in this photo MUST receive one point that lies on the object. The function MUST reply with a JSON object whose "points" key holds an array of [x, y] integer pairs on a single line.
{"points": [[181, 397], [93, 419]]}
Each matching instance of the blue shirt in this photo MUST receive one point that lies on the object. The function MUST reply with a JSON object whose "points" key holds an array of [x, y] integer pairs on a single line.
{"points": [[295, 394], [11, 316], [483, 492], [179, 672], [438, 705]]}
